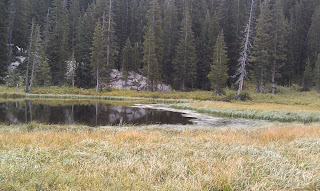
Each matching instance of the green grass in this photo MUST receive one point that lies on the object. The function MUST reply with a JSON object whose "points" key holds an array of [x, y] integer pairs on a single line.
{"points": [[287, 96], [272, 115], [53, 157], [6, 92]]}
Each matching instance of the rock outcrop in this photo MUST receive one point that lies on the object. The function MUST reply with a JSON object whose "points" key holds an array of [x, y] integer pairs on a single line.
{"points": [[134, 81]]}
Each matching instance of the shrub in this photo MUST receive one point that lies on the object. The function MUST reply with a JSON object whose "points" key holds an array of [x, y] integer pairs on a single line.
{"points": [[295, 87], [245, 95], [31, 126], [230, 95]]}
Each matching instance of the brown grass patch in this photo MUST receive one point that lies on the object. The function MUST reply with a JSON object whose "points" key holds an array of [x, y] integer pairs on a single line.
{"points": [[289, 133]]}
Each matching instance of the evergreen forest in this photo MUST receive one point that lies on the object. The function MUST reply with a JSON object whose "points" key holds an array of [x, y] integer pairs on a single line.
{"points": [[188, 44]]}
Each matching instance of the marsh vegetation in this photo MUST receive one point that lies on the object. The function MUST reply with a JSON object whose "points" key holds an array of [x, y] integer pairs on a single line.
{"points": [[271, 156], [53, 157]]}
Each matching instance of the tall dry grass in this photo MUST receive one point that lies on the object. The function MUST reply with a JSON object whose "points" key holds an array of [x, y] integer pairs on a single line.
{"points": [[273, 157]]}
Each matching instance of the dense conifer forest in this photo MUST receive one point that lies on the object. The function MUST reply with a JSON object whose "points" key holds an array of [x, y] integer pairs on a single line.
{"points": [[189, 44]]}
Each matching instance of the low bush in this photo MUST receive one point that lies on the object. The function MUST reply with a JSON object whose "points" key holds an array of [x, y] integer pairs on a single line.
{"points": [[230, 95], [245, 96]]}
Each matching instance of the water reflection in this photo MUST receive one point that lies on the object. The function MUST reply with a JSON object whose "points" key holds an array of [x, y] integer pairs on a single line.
{"points": [[95, 114]]}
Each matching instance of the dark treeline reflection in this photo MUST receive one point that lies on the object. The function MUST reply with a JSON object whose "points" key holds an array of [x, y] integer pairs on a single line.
{"points": [[96, 114]]}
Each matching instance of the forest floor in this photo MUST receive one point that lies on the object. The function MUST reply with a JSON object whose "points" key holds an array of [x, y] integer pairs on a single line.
{"points": [[274, 156]]}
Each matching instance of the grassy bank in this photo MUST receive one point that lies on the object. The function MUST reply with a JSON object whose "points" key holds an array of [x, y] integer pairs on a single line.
{"points": [[244, 111], [118, 94], [277, 157], [286, 96]]}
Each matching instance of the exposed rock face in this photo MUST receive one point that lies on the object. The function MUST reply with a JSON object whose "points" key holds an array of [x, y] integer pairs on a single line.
{"points": [[14, 65], [134, 81]]}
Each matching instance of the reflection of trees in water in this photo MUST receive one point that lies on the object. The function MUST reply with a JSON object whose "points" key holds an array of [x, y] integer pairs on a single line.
{"points": [[128, 114], [70, 115], [117, 114], [93, 115]]}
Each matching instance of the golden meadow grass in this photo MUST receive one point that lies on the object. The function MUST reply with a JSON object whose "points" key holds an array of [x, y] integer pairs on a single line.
{"points": [[273, 157]]}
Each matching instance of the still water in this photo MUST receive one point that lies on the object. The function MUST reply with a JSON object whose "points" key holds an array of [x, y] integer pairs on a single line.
{"points": [[89, 113]]}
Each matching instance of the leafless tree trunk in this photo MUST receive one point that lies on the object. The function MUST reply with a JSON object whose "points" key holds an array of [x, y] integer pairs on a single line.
{"points": [[12, 15], [26, 111], [245, 51], [109, 41], [35, 60], [46, 29], [148, 69], [73, 69], [273, 70], [29, 55], [183, 83], [97, 113], [30, 110], [260, 85], [97, 76]]}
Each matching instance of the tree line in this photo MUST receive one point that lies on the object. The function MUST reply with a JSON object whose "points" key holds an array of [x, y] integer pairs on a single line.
{"points": [[189, 44]]}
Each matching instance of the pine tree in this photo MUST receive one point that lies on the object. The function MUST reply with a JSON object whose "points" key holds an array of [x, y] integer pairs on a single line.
{"points": [[231, 25], [302, 19], [18, 28], [84, 77], [74, 23], [43, 76], [122, 18], [35, 55], [138, 22], [150, 60], [307, 80], [36, 9], [185, 59], [206, 43], [261, 48], [317, 71], [3, 43], [97, 53], [218, 75], [314, 39], [127, 58], [154, 17], [279, 36], [109, 41], [171, 37], [198, 12], [58, 50], [152, 45], [289, 70]]}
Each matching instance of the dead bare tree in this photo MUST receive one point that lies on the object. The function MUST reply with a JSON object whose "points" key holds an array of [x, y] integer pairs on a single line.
{"points": [[46, 29], [11, 18], [36, 56], [245, 51], [29, 56]]}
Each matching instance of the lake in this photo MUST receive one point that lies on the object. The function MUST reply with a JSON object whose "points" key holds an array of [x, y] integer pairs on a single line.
{"points": [[86, 112]]}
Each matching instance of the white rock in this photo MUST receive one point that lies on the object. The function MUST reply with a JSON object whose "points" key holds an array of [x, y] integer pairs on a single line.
{"points": [[134, 81]]}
